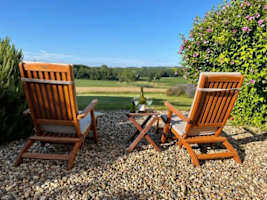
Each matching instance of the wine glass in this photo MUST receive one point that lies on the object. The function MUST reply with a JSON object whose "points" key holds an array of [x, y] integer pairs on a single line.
{"points": [[149, 102], [136, 101]]}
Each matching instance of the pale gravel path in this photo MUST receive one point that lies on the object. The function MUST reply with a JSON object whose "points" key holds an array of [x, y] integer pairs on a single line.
{"points": [[106, 171]]}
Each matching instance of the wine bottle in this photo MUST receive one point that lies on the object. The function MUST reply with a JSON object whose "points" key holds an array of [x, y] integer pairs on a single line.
{"points": [[142, 99]]}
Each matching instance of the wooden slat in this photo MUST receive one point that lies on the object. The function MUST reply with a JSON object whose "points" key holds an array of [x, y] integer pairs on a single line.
{"points": [[227, 103], [213, 103], [67, 97], [233, 99], [61, 98], [46, 156], [220, 77], [47, 67], [56, 98], [54, 82], [219, 101], [214, 155], [207, 107], [204, 101], [45, 97], [33, 96], [29, 99], [204, 139], [50, 97], [56, 122], [55, 139], [39, 97], [74, 106]]}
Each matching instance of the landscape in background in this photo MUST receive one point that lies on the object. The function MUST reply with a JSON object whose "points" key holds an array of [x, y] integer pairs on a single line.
{"points": [[116, 87]]}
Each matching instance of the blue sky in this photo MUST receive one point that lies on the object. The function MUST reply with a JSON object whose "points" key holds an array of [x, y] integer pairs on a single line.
{"points": [[112, 32]]}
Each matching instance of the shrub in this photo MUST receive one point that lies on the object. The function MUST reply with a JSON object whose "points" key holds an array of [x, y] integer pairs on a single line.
{"points": [[190, 90], [13, 124], [233, 38], [182, 89]]}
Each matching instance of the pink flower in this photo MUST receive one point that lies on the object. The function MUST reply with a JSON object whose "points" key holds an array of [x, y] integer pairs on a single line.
{"points": [[257, 15], [260, 21], [197, 42], [251, 18], [185, 41], [246, 29], [208, 50], [205, 42], [247, 3], [232, 62], [189, 46], [235, 30], [195, 54], [209, 30], [252, 81], [181, 49], [265, 7]]}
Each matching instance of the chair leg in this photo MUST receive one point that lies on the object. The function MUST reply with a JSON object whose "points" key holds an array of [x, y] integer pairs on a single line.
{"points": [[232, 150], [26, 147], [157, 127], [179, 143], [191, 153], [165, 132], [73, 154], [94, 125]]}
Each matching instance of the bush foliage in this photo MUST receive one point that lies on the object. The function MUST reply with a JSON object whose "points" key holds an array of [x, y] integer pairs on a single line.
{"points": [[182, 89], [233, 38], [13, 124]]}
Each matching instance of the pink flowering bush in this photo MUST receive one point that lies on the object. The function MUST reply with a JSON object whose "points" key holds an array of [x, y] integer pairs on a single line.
{"points": [[233, 38]]}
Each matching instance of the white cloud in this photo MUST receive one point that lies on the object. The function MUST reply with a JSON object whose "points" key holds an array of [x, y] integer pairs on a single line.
{"points": [[44, 56]]}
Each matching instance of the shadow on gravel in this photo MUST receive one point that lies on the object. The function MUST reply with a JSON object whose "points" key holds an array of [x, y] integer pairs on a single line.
{"points": [[238, 142]]}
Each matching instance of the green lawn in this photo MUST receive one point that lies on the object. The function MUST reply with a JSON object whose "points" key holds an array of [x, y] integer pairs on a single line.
{"points": [[162, 83], [122, 101]]}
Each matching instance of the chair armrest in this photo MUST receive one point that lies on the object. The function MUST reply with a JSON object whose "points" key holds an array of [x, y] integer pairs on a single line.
{"points": [[178, 113], [27, 111], [88, 109]]}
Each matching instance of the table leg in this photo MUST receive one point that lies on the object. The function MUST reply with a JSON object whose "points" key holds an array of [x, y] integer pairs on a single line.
{"points": [[137, 131], [142, 134]]}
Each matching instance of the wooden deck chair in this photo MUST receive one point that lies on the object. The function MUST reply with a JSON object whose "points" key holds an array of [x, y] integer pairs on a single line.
{"points": [[214, 99], [50, 94]]}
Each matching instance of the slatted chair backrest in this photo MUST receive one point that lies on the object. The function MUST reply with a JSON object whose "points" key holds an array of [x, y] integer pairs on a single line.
{"points": [[50, 93], [214, 99]]}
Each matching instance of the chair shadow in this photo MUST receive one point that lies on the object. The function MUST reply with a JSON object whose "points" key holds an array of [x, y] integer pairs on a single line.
{"points": [[236, 143], [243, 141]]}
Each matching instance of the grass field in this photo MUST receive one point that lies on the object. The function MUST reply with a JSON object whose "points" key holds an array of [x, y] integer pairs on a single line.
{"points": [[113, 95], [162, 83]]}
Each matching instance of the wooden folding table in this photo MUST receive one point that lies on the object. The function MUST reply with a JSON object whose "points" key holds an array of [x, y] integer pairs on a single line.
{"points": [[142, 129]]}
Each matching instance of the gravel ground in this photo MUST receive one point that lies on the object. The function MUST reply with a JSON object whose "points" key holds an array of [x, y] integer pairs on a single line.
{"points": [[107, 171]]}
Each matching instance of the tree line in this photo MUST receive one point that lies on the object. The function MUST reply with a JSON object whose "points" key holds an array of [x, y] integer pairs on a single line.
{"points": [[125, 74]]}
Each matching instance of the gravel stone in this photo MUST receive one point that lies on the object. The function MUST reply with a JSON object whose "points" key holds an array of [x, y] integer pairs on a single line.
{"points": [[107, 171]]}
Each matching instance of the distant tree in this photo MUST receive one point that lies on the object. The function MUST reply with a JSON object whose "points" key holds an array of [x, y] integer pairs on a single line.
{"points": [[83, 73], [126, 75]]}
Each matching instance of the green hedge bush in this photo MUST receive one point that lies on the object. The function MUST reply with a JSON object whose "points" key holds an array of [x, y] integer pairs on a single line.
{"points": [[231, 38], [14, 124]]}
